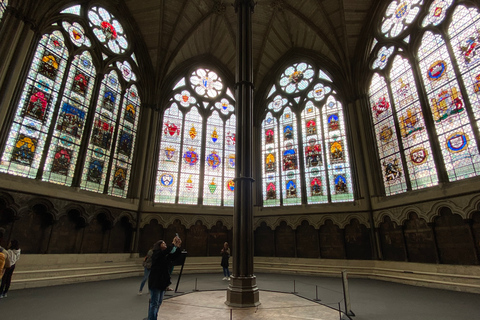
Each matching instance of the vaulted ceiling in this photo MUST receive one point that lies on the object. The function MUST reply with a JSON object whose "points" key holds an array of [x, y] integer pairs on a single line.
{"points": [[176, 30]]}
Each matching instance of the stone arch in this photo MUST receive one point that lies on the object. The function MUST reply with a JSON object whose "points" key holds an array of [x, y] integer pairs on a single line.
{"points": [[392, 241], [34, 227], [332, 241], [217, 236], [68, 230], [121, 234], [284, 240], [264, 240], [196, 241], [149, 234], [419, 239], [307, 245], [357, 241], [454, 239]]}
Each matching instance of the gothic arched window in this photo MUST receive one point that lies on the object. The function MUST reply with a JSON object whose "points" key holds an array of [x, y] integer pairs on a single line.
{"points": [[424, 93], [73, 127], [304, 143], [197, 148]]}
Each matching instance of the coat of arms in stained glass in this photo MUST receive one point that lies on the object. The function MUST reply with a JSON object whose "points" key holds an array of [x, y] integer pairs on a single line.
{"points": [[386, 134], [189, 184], [102, 134], [437, 70], [170, 153], [119, 178], [71, 120], [380, 107], [24, 150], [125, 143], [36, 107], [190, 157], [457, 142], [270, 163], [313, 153], [410, 122], [333, 123], [49, 65], [290, 160], [392, 169], [171, 128], [470, 48], [109, 100], [192, 132], [130, 113], [287, 132], [230, 138], [212, 186], [80, 84], [291, 189], [167, 180], [61, 161], [340, 184], [214, 135], [418, 156], [213, 160], [316, 187], [271, 191], [311, 127], [231, 185], [95, 170], [336, 151], [446, 103], [269, 136], [231, 161]]}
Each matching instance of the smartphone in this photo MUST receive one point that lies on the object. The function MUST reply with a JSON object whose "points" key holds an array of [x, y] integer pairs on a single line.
{"points": [[176, 234]]}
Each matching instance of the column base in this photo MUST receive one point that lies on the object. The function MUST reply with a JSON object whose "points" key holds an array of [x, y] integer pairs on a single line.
{"points": [[243, 292]]}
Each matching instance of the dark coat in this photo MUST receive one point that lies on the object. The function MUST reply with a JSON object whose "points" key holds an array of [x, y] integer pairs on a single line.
{"points": [[159, 272], [225, 257]]}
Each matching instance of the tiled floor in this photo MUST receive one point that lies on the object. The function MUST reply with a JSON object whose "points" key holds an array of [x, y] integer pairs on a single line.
{"points": [[118, 300], [274, 305]]}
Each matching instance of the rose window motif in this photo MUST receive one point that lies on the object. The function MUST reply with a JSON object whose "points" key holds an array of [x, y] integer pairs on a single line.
{"points": [[108, 30]]}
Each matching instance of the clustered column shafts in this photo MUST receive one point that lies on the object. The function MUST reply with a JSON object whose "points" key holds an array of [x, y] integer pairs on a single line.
{"points": [[243, 291]]}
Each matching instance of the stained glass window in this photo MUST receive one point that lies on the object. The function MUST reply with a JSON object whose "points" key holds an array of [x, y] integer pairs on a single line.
{"points": [[399, 15], [70, 123], [108, 29], [436, 12], [311, 140], [3, 7], [73, 10], [29, 131], [386, 136], [59, 106], [196, 164], [452, 124], [416, 145], [400, 89]]}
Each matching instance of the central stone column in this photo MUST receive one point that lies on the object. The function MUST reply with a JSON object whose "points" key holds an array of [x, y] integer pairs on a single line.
{"points": [[242, 290]]}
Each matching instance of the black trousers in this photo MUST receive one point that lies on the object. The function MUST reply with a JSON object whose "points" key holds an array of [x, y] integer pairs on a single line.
{"points": [[7, 279]]}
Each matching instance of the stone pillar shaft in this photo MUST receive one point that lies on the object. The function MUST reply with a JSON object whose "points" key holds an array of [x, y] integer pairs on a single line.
{"points": [[243, 291]]}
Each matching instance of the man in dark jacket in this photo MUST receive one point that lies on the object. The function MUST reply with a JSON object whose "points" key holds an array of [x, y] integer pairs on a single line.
{"points": [[159, 278]]}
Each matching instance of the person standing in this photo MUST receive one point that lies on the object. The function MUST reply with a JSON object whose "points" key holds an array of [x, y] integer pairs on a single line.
{"points": [[159, 279], [3, 255], [13, 254], [147, 264], [225, 256]]}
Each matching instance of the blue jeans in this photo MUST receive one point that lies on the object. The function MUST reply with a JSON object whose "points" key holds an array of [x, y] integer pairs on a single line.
{"points": [[226, 273], [146, 273], [156, 298]]}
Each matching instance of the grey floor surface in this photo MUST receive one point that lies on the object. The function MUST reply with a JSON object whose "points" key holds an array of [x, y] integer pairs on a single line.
{"points": [[118, 299]]}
